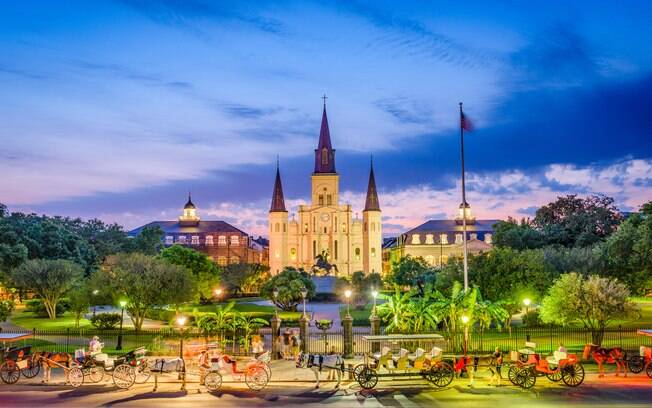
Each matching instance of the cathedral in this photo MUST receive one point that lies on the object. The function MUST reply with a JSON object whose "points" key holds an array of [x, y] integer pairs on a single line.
{"points": [[325, 232]]}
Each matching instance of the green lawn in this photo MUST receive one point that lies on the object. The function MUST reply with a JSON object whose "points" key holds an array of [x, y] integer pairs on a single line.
{"points": [[30, 321], [360, 317]]}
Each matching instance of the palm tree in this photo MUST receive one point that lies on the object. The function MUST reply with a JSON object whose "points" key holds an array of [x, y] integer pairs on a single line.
{"points": [[223, 317], [423, 312], [249, 324]]}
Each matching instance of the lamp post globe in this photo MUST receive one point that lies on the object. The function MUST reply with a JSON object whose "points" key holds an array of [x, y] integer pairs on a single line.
{"points": [[347, 295], [181, 321], [275, 295], [374, 294], [304, 294]]}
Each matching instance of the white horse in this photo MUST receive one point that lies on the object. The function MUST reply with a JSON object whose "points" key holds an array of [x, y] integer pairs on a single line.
{"points": [[317, 362]]}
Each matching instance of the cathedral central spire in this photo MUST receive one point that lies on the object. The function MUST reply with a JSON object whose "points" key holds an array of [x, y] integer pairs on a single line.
{"points": [[324, 154], [371, 204], [278, 201]]}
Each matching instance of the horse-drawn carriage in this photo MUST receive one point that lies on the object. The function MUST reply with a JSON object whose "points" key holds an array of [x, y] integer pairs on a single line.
{"points": [[126, 369], [642, 361], [394, 361], [527, 365], [16, 360]]}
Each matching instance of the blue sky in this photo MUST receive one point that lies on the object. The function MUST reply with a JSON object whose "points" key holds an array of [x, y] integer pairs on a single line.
{"points": [[115, 109]]}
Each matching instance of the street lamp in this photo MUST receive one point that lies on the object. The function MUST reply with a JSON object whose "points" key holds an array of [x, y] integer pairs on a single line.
{"points": [[218, 293], [123, 303], [347, 295], [95, 292], [181, 321], [374, 294], [304, 294], [275, 295]]}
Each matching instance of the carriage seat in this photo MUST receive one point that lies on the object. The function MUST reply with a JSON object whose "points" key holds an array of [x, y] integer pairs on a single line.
{"points": [[646, 352], [401, 361], [418, 358], [383, 352], [556, 357]]}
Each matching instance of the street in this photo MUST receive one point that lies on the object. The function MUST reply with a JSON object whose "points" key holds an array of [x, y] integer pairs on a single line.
{"points": [[595, 392]]}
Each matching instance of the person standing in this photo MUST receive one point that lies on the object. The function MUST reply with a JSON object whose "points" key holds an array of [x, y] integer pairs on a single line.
{"points": [[257, 345], [295, 341], [497, 360], [203, 362]]}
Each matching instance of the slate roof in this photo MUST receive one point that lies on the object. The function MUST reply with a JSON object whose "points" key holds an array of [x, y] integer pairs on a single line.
{"points": [[173, 227], [278, 201], [371, 203], [324, 143]]}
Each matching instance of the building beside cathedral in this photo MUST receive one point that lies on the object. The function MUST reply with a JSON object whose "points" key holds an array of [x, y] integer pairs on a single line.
{"points": [[222, 242], [438, 240], [325, 226]]}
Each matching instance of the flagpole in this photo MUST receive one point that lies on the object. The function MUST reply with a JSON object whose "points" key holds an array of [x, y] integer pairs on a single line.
{"points": [[466, 265]]}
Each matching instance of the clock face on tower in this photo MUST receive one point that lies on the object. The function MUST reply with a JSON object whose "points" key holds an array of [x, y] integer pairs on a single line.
{"points": [[325, 217]]}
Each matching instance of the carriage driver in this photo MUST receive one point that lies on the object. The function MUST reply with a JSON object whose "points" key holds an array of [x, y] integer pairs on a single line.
{"points": [[95, 346], [204, 365]]}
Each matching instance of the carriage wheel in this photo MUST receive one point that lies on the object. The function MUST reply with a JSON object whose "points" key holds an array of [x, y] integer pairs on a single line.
{"points": [[511, 374], [32, 369], [124, 376], [648, 369], [213, 381], [357, 370], [572, 374], [76, 377], [441, 374], [636, 364], [268, 369], [256, 378], [526, 378], [9, 372], [96, 374], [143, 372], [368, 378], [555, 376]]}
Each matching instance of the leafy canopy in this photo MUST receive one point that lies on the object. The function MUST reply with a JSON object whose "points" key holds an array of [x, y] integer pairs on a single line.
{"points": [[289, 283]]}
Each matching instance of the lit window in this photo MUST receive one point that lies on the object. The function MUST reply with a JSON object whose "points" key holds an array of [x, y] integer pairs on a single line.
{"points": [[181, 239], [221, 260], [305, 227], [373, 252], [234, 260], [487, 238], [444, 259], [194, 240], [430, 259], [474, 236], [169, 240], [458, 238], [293, 253], [430, 239], [343, 227], [235, 240], [221, 240], [443, 239], [416, 239], [357, 254], [209, 240]]}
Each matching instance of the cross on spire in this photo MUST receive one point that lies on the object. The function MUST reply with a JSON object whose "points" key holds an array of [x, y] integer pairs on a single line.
{"points": [[324, 98]]}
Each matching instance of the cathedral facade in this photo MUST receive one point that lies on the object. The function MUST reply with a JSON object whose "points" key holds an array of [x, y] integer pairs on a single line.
{"points": [[325, 231]]}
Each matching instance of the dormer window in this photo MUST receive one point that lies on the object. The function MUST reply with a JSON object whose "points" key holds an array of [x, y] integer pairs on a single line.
{"points": [[221, 240], [443, 239], [209, 240], [430, 239], [169, 240], [324, 156], [235, 240], [487, 238], [181, 239], [194, 240], [474, 236], [416, 239], [458, 238]]}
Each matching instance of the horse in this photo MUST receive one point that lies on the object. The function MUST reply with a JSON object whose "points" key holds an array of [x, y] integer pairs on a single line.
{"points": [[51, 360], [316, 362], [603, 355], [470, 364]]}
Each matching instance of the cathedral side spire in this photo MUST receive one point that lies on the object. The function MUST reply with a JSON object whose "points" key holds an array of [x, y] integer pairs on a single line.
{"points": [[278, 201], [371, 204], [324, 154]]}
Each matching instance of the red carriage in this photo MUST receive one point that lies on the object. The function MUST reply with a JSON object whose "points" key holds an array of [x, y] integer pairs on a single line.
{"points": [[642, 361], [527, 365]]}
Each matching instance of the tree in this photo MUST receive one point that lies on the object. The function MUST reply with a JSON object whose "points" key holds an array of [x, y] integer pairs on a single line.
{"points": [[144, 282], [205, 273], [521, 236], [244, 278], [6, 307], [592, 302], [3, 210], [79, 300], [362, 284], [49, 279], [407, 270], [148, 242], [10, 257], [575, 221], [289, 284], [396, 311]]}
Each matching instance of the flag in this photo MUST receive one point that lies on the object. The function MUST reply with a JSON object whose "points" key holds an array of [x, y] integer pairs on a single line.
{"points": [[465, 123]]}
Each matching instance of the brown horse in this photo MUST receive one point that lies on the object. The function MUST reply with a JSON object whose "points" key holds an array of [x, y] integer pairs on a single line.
{"points": [[602, 355], [51, 360]]}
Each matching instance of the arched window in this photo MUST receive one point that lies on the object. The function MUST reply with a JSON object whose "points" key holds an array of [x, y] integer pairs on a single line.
{"points": [[285, 227], [357, 254], [321, 199], [277, 227], [373, 252], [293, 253], [416, 239], [209, 240], [443, 239], [324, 156], [429, 239], [329, 199]]}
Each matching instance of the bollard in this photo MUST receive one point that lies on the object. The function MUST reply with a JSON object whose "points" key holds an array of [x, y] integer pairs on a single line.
{"points": [[276, 327], [304, 332], [347, 323]]}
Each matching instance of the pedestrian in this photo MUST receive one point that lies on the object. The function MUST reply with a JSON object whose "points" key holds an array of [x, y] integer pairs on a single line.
{"points": [[495, 368], [332, 373], [257, 345], [295, 341], [204, 365]]}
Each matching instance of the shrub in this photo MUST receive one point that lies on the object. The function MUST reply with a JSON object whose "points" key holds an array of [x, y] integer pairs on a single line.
{"points": [[37, 307], [532, 319], [106, 321], [6, 307]]}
